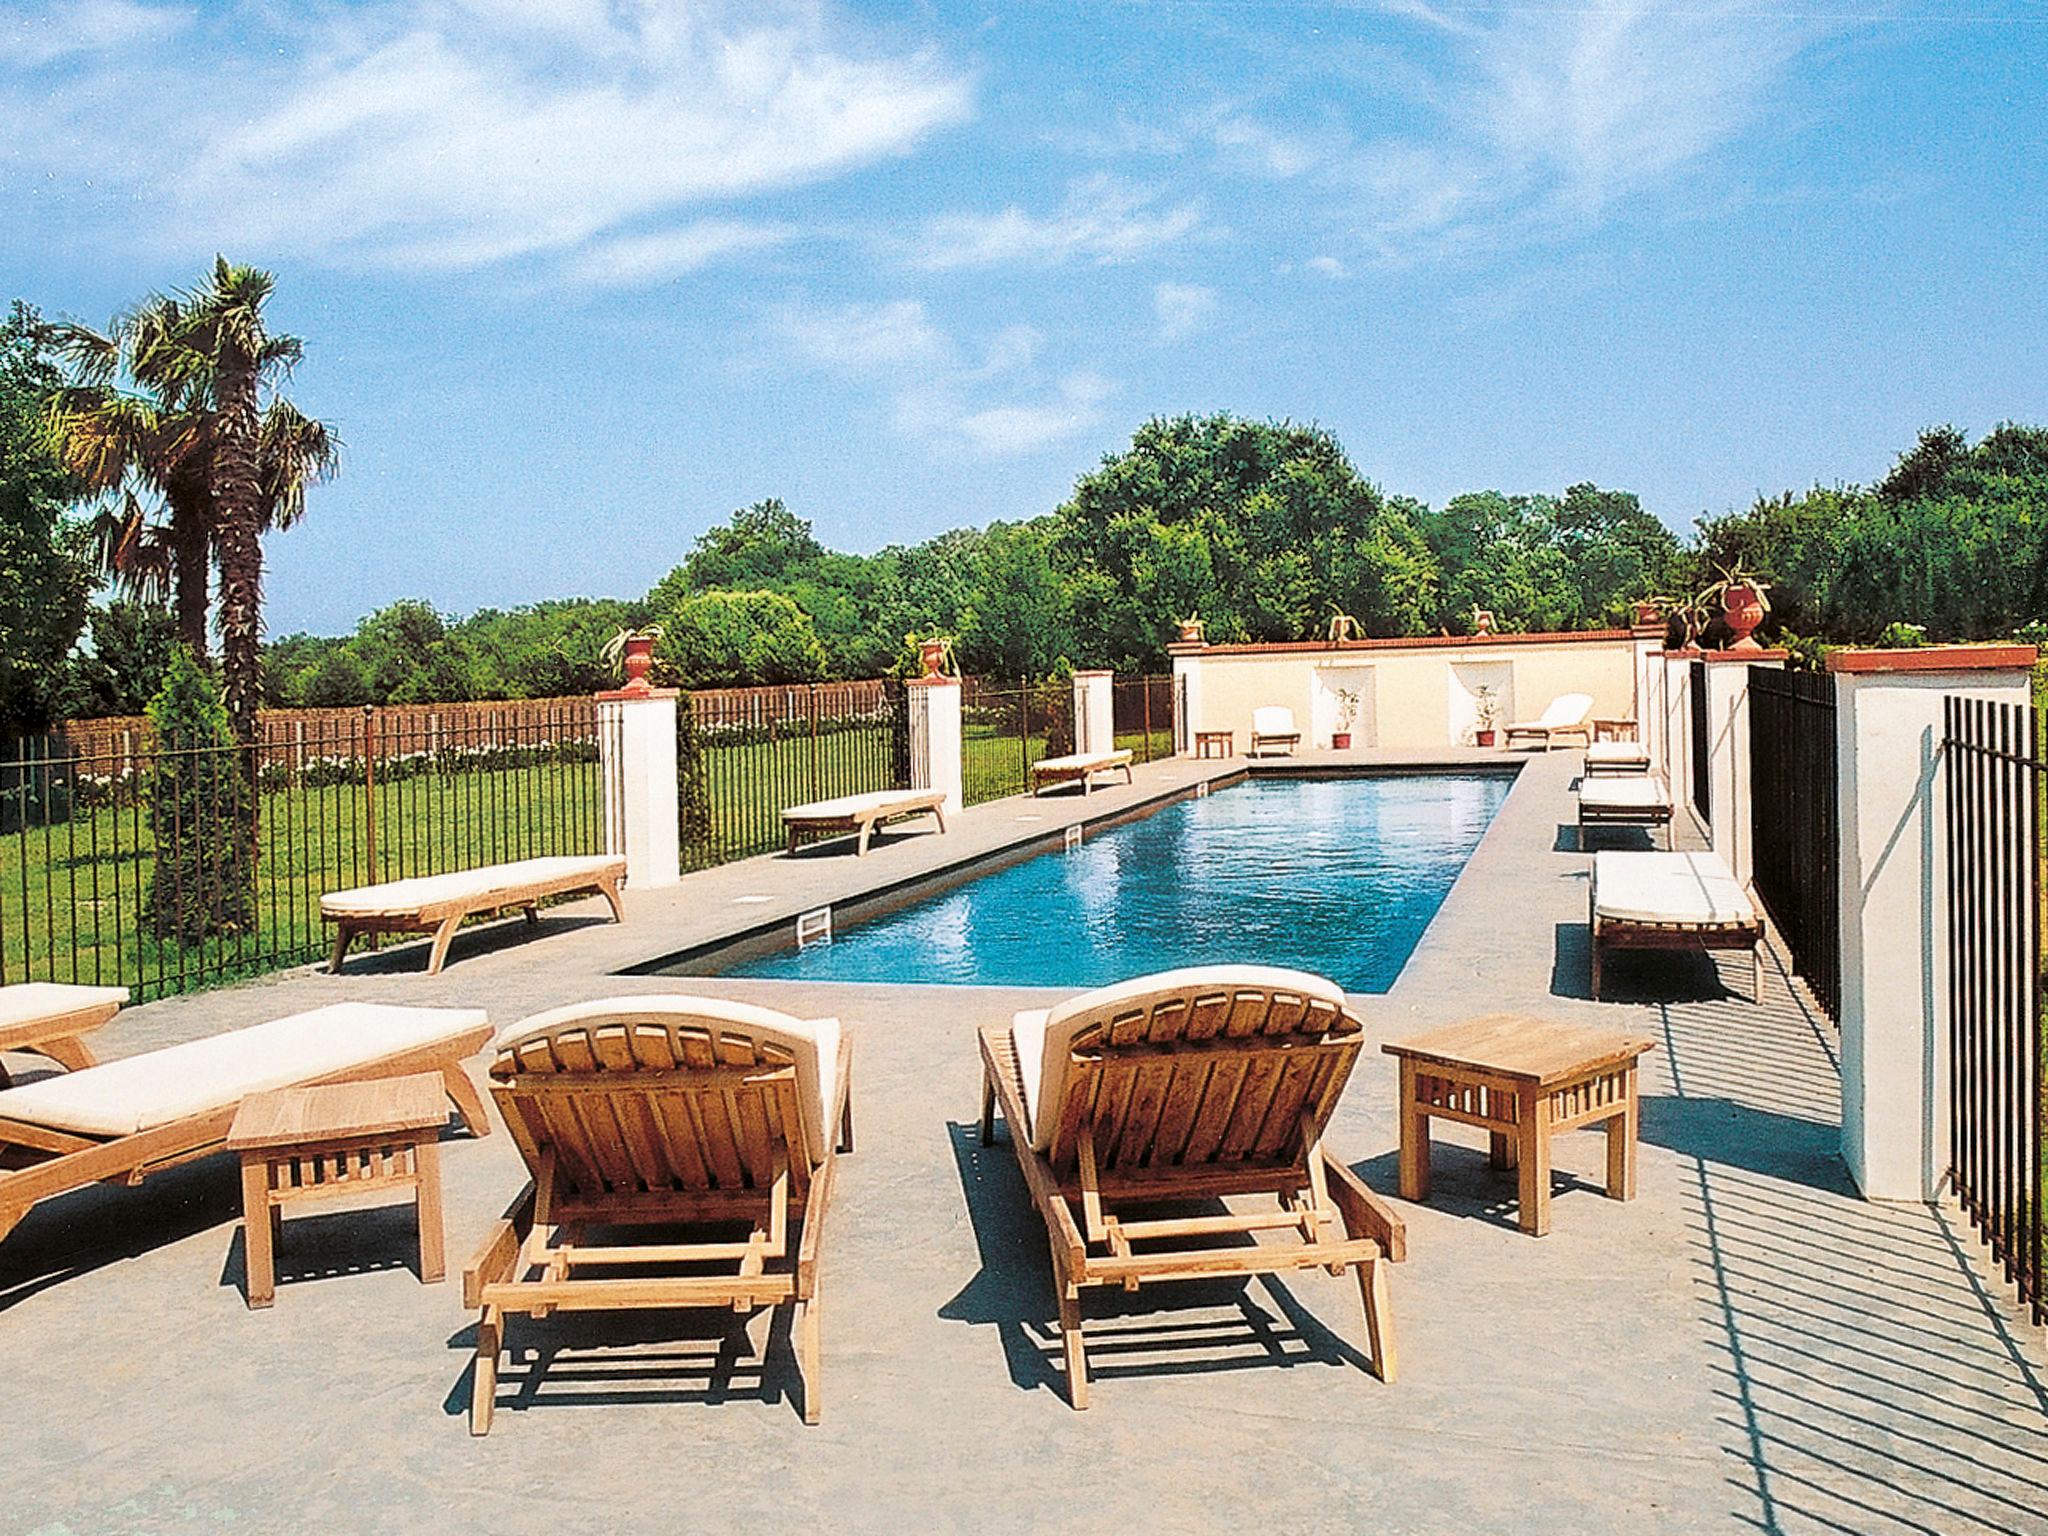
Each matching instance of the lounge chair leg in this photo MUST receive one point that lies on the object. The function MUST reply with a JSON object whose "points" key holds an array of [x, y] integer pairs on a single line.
{"points": [[846, 1118], [609, 890], [1379, 1318], [483, 1387], [443, 937], [259, 1260], [806, 1331], [72, 1054], [532, 915], [342, 935], [1070, 1337], [988, 1109], [468, 1102], [860, 842], [1756, 974]]}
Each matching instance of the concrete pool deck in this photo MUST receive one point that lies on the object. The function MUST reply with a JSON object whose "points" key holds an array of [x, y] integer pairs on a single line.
{"points": [[1746, 1346]]}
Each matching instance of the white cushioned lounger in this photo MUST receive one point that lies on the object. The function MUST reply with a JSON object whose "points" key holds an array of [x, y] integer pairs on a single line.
{"points": [[861, 814], [1044, 1037], [1569, 714], [138, 1093], [1671, 901], [1604, 757], [1273, 726], [1638, 801], [437, 904], [1079, 767], [812, 1043]]}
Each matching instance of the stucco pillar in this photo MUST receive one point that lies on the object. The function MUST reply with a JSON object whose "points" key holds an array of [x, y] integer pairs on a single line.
{"points": [[935, 760], [1094, 712], [1187, 693], [1677, 727], [1649, 676], [1728, 753], [636, 733], [1894, 894]]}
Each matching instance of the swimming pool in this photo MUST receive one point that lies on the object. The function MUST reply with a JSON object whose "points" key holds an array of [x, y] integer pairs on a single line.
{"points": [[1336, 876]]}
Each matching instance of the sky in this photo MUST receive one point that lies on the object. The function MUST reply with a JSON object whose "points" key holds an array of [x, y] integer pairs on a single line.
{"points": [[577, 278]]}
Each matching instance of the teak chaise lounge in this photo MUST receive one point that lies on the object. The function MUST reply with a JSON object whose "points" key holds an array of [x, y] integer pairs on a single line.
{"points": [[1672, 901], [862, 814], [437, 904], [1078, 768], [1616, 801], [1190, 1085], [1609, 757], [120, 1122], [1569, 714], [52, 1019], [1273, 727], [663, 1112]]}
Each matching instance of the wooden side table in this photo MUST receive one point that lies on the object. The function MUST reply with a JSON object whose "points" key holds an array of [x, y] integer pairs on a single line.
{"points": [[1225, 743], [1523, 1081], [52, 1019], [305, 1144], [1613, 728]]}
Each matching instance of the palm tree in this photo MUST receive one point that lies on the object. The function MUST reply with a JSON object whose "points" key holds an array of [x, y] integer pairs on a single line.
{"points": [[163, 436]]}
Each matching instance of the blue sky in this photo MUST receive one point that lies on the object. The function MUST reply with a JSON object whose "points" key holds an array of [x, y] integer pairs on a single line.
{"points": [[578, 277]]}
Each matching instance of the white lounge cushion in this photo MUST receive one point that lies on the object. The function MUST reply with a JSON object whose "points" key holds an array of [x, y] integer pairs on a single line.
{"points": [[880, 801], [1273, 720], [422, 892], [1696, 889], [28, 1001], [1565, 711], [1639, 794], [1044, 1037], [136, 1093], [812, 1043], [1075, 762], [1617, 754]]}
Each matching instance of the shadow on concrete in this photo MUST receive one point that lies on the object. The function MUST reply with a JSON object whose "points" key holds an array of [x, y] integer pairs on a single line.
{"points": [[1187, 1327], [1732, 1134], [1634, 975], [705, 1355], [329, 1245], [1464, 1184], [410, 955], [1572, 838]]}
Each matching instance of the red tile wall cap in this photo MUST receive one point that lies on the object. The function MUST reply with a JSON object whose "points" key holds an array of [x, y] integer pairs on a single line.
{"points": [[616, 694], [941, 681], [1410, 643], [1187, 647], [1731, 654], [1093, 672], [1937, 658]]}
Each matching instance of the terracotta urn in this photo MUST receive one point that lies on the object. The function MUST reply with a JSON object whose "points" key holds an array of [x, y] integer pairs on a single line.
{"points": [[1742, 609], [1340, 740], [932, 653], [638, 656], [1483, 737], [1190, 631], [1649, 613], [1482, 621]]}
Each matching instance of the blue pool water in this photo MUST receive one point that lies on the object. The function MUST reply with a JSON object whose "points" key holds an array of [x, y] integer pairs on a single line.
{"points": [[1339, 877]]}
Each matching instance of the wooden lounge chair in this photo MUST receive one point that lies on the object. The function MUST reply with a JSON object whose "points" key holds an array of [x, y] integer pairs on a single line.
{"points": [[1189, 1085], [1078, 768], [1616, 801], [1569, 714], [664, 1112], [1273, 729], [1672, 901], [120, 1122], [1617, 757], [862, 814], [52, 1019], [438, 904]]}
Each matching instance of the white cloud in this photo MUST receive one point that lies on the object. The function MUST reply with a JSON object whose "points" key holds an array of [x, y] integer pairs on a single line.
{"points": [[1328, 266], [1182, 308], [1101, 219], [32, 39], [458, 133], [626, 260], [989, 399]]}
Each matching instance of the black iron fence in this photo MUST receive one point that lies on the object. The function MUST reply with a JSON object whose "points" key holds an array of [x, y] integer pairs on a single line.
{"points": [[1794, 821], [1005, 728], [162, 869], [1995, 767], [744, 754], [1702, 745], [1143, 712]]}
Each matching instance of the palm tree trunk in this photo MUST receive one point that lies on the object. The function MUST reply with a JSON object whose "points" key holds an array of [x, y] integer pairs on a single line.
{"points": [[238, 501], [191, 569]]}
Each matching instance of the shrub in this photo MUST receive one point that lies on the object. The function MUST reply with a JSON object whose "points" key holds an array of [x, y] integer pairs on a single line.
{"points": [[203, 881]]}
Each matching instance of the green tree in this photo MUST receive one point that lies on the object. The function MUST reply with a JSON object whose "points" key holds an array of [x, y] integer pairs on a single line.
{"points": [[202, 878], [1017, 622], [735, 639], [124, 666], [336, 681], [45, 575]]}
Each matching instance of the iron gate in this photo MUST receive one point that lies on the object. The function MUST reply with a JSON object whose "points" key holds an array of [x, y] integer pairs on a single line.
{"points": [[1794, 820]]}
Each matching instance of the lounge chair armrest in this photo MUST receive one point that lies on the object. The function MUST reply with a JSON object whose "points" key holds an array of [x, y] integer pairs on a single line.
{"points": [[497, 1256], [1364, 1212]]}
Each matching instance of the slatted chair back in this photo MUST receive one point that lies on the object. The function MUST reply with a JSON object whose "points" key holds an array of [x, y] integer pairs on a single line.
{"points": [[1235, 1072], [664, 1105]]}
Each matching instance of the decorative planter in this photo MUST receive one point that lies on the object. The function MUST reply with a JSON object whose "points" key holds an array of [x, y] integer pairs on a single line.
{"points": [[1191, 632], [1483, 738], [932, 653], [1482, 621], [1649, 613], [638, 656], [1340, 740], [1742, 609]]}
